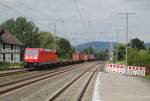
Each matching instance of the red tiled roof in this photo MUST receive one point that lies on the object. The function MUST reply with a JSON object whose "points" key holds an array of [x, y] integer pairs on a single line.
{"points": [[8, 38]]}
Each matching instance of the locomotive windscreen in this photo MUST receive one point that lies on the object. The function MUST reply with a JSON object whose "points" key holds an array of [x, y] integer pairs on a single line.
{"points": [[31, 52]]}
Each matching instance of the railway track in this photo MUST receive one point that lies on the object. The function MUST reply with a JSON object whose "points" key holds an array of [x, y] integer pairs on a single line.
{"points": [[16, 72], [82, 91], [38, 75], [9, 87]]}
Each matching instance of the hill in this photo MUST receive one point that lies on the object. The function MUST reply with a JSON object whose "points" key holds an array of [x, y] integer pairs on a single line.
{"points": [[147, 45], [98, 46]]}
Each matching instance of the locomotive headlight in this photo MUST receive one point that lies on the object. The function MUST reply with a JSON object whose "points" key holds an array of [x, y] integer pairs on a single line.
{"points": [[34, 57], [26, 57]]}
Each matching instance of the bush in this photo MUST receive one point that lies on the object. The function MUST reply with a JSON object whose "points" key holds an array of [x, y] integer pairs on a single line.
{"points": [[5, 65], [138, 57]]}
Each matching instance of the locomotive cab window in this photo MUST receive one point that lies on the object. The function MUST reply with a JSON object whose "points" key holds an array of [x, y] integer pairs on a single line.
{"points": [[32, 52]]}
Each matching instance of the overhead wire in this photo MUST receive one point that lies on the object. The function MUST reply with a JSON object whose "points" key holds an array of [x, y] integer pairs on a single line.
{"points": [[20, 13], [30, 8], [7, 6], [60, 20], [16, 11], [80, 14], [86, 17]]}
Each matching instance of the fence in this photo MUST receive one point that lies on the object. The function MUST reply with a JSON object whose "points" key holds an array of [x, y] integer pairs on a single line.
{"points": [[121, 69]]}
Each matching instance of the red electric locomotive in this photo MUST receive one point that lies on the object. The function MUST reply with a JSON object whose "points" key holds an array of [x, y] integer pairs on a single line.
{"points": [[39, 56]]}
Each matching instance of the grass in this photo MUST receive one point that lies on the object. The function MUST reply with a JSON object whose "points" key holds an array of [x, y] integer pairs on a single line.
{"points": [[4, 65], [122, 62], [147, 77]]}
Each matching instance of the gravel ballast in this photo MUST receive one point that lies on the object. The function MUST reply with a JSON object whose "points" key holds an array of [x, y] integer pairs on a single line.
{"points": [[43, 89]]}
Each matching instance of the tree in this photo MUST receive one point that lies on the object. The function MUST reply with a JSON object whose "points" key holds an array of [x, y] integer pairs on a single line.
{"points": [[27, 32], [44, 40], [100, 55], [121, 51], [138, 58], [137, 43], [88, 50], [24, 30], [64, 48]]}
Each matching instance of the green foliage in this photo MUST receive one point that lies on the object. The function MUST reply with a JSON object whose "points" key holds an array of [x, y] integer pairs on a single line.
{"points": [[147, 77], [137, 43], [148, 50], [100, 55], [88, 50], [121, 51], [44, 40], [30, 35], [24, 30], [138, 57], [64, 48], [4, 65]]}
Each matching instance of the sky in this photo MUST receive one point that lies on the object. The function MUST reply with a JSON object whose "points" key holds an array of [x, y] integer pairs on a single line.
{"points": [[83, 21]]}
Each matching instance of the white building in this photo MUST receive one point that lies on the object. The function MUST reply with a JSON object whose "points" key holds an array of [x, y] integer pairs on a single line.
{"points": [[9, 47]]}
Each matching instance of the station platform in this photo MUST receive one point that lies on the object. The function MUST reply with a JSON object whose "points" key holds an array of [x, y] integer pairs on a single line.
{"points": [[117, 87]]}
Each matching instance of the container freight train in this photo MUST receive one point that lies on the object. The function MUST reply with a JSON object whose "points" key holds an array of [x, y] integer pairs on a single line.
{"points": [[38, 57], [82, 57]]}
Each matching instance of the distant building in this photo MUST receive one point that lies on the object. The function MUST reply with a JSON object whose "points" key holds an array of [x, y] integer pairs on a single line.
{"points": [[9, 47]]}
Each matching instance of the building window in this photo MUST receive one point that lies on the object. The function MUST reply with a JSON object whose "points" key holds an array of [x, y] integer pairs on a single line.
{"points": [[4, 57], [3, 46], [11, 47], [0, 45], [11, 57]]}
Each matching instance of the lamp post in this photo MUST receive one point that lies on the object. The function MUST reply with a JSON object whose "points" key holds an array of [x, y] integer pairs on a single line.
{"points": [[127, 32], [116, 29], [112, 47], [93, 50], [55, 33]]}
